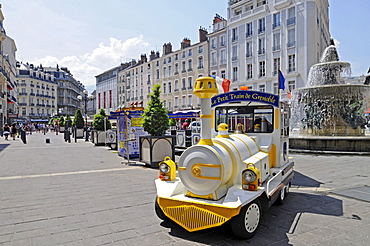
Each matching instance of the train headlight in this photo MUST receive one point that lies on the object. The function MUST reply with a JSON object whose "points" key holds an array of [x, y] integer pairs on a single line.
{"points": [[164, 168], [167, 169], [249, 176]]}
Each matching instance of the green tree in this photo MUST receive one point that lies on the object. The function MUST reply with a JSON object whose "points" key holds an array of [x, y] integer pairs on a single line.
{"points": [[68, 120], [51, 121], [78, 120], [155, 117], [98, 122], [172, 122], [62, 121]]}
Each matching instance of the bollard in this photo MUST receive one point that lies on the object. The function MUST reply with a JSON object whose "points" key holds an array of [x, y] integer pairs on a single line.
{"points": [[23, 136]]}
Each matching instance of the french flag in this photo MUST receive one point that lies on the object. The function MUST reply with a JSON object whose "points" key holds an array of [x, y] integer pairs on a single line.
{"points": [[282, 86], [223, 85]]}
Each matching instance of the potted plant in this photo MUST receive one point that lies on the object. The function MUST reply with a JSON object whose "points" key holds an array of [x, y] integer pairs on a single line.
{"points": [[156, 146], [100, 124], [61, 123], [78, 122]]}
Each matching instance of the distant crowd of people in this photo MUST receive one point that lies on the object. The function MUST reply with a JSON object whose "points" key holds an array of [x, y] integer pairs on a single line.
{"points": [[14, 130]]}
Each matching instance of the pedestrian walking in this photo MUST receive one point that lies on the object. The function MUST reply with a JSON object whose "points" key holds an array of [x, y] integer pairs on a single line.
{"points": [[6, 131], [13, 131]]}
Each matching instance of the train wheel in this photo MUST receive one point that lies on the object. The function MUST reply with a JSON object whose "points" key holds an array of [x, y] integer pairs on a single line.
{"points": [[245, 224], [159, 211], [282, 196]]}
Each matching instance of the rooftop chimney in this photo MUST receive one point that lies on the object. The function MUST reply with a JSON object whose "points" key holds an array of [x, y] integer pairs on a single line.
{"points": [[167, 48], [152, 55], [203, 34], [185, 43]]}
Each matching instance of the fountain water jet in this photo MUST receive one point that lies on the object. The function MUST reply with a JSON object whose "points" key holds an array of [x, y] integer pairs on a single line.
{"points": [[328, 115]]}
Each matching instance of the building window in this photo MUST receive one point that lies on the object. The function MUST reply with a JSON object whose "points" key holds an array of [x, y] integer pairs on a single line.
{"points": [[261, 2], [291, 38], [176, 102], [291, 16], [262, 88], [190, 65], [157, 74], [276, 20], [276, 88], [249, 49], [164, 72], [183, 67], [234, 35], [169, 71], [249, 30], [291, 85], [276, 65], [190, 83], [110, 99], [261, 46], [223, 40], [183, 101], [200, 49], [291, 63], [262, 70], [223, 74], [223, 57], [235, 74], [169, 87], [234, 53], [105, 100], [200, 62], [249, 71], [213, 59], [176, 68], [213, 43], [183, 54], [176, 85], [176, 57], [276, 42], [164, 88], [190, 100], [190, 52], [261, 25]]}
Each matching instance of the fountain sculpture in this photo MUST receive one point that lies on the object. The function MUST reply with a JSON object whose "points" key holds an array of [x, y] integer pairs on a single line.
{"points": [[329, 114]]}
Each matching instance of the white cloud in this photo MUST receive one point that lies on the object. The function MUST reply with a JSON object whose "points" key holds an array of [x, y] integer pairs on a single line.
{"points": [[85, 67]]}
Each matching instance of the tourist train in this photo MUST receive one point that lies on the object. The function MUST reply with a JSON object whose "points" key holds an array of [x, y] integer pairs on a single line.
{"points": [[239, 168]]}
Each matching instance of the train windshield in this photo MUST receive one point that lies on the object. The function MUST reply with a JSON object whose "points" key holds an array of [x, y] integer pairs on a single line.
{"points": [[251, 118]]}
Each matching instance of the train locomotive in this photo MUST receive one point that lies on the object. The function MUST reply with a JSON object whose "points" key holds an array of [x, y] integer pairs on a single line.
{"points": [[239, 168]]}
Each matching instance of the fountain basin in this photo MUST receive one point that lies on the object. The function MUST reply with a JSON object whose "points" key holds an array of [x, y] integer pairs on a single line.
{"points": [[330, 110]]}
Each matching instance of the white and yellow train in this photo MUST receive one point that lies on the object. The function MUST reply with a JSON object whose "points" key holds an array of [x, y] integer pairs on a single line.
{"points": [[239, 168]]}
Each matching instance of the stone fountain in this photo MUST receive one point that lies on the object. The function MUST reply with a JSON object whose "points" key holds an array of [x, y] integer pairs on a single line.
{"points": [[328, 115]]}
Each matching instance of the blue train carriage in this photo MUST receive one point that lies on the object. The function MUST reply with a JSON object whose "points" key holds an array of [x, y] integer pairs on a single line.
{"points": [[239, 168]]}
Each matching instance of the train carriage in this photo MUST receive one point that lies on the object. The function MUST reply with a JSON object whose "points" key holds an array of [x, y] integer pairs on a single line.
{"points": [[239, 168]]}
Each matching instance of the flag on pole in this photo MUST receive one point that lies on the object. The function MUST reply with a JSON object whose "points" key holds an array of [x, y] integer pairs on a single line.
{"points": [[223, 85], [281, 80], [282, 86]]}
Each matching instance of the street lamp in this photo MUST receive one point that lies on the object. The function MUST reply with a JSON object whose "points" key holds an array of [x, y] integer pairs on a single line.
{"points": [[85, 98]]}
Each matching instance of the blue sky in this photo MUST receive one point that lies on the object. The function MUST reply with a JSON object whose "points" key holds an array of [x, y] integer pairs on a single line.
{"points": [[90, 37]]}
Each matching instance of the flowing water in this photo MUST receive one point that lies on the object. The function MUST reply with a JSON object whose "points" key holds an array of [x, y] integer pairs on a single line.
{"points": [[328, 107]]}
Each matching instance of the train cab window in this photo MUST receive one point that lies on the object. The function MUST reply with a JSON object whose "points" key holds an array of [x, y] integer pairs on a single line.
{"points": [[258, 119]]}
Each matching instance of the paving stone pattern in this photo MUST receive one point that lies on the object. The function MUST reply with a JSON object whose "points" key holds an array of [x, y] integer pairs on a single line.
{"points": [[62, 193]]}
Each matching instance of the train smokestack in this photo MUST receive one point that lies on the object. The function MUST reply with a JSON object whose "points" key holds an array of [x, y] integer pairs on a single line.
{"points": [[205, 88]]}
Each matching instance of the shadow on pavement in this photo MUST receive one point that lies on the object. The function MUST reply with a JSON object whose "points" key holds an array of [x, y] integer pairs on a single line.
{"points": [[3, 146], [276, 223], [303, 180]]}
